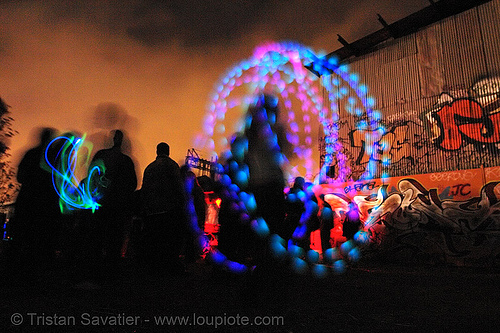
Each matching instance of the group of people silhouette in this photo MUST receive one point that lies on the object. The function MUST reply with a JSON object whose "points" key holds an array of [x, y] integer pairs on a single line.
{"points": [[96, 242]]}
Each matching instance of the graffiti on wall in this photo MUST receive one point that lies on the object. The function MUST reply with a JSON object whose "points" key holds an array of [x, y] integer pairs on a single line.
{"points": [[462, 125], [403, 145], [453, 227], [475, 119], [451, 215], [492, 174]]}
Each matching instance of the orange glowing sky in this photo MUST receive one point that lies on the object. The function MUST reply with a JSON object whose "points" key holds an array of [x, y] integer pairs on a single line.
{"points": [[148, 67]]}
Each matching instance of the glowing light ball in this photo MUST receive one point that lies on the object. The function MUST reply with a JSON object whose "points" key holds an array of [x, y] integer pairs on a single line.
{"points": [[312, 256], [225, 180], [295, 251], [301, 230], [217, 257], [299, 266], [241, 178], [251, 203], [311, 207], [319, 271], [234, 188], [235, 267], [362, 237], [292, 198], [326, 214], [301, 195], [332, 254], [339, 266], [277, 246], [354, 255], [346, 247], [259, 226]]}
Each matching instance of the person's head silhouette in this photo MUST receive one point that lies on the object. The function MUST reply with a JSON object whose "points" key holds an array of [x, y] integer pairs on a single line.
{"points": [[118, 139], [46, 135], [299, 183], [162, 149]]}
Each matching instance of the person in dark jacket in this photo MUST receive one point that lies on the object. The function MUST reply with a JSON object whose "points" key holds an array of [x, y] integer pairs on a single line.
{"points": [[294, 207], [164, 218], [267, 144], [115, 211], [37, 213]]}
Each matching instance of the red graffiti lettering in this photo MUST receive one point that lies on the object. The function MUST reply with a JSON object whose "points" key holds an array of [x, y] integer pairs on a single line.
{"points": [[464, 120]]}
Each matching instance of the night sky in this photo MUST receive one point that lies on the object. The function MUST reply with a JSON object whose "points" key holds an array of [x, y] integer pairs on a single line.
{"points": [[148, 67]]}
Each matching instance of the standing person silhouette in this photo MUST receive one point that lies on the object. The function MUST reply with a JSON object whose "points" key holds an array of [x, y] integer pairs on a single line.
{"points": [[37, 213], [294, 207], [162, 197], [267, 144], [326, 224], [352, 223], [267, 181], [116, 203]]}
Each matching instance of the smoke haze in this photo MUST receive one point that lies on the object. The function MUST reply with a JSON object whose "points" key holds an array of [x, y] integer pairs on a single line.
{"points": [[148, 67]]}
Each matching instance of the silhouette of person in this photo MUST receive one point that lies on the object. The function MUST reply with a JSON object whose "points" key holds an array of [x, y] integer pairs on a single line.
{"points": [[162, 197], [352, 222], [294, 207], [234, 239], [193, 191], [37, 210], [120, 182], [267, 180], [326, 225], [308, 221], [266, 146]]}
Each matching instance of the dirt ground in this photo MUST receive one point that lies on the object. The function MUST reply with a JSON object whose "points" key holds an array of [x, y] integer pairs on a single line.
{"points": [[370, 297]]}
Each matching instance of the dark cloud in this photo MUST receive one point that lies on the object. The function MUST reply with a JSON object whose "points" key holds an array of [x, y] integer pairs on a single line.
{"points": [[194, 23], [200, 23]]}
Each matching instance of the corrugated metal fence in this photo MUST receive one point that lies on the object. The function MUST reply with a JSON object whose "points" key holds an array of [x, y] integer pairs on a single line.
{"points": [[438, 93]]}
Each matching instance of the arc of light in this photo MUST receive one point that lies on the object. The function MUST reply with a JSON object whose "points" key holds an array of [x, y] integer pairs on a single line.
{"points": [[72, 193]]}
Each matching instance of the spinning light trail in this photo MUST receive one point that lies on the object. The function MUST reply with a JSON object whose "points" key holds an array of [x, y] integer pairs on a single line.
{"points": [[61, 156], [242, 202], [280, 65]]}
